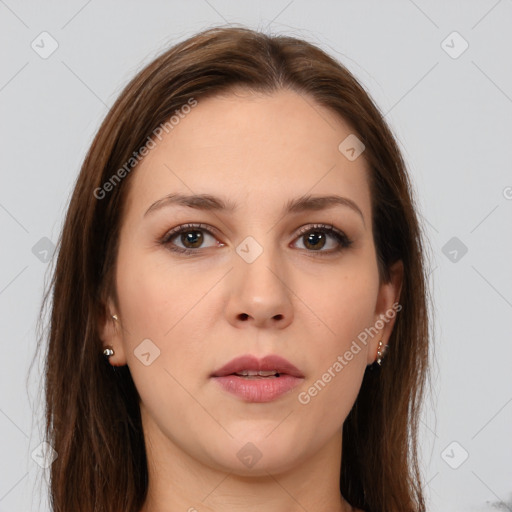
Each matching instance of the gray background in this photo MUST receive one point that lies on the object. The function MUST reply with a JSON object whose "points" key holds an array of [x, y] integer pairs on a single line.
{"points": [[450, 111]]}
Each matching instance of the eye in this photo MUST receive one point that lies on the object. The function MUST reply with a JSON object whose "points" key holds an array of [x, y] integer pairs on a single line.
{"points": [[315, 238], [190, 235]]}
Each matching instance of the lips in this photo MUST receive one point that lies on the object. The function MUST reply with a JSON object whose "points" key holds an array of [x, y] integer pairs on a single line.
{"points": [[258, 380], [249, 366]]}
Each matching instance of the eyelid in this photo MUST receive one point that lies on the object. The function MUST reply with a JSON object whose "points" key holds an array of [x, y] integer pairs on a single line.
{"points": [[189, 227], [311, 227]]}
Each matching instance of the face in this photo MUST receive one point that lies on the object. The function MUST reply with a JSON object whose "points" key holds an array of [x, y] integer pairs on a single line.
{"points": [[256, 279]]}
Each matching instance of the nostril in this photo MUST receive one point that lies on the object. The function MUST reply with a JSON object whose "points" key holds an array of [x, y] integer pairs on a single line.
{"points": [[244, 316]]}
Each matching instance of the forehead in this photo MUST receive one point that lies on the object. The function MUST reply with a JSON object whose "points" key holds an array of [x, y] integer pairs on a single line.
{"points": [[253, 147]]}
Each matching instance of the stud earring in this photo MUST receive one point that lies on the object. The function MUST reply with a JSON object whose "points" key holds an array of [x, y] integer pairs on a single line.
{"points": [[115, 317], [109, 351]]}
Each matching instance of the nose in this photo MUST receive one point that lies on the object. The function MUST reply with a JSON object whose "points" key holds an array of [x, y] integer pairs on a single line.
{"points": [[259, 292]]}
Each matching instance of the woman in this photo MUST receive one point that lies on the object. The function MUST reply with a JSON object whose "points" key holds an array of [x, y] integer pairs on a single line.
{"points": [[239, 314]]}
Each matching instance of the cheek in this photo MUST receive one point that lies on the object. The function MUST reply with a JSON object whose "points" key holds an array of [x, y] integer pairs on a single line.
{"points": [[346, 302], [167, 305], [156, 295], [159, 304]]}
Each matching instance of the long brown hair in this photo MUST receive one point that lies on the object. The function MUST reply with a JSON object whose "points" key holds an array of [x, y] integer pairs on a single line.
{"points": [[92, 416]]}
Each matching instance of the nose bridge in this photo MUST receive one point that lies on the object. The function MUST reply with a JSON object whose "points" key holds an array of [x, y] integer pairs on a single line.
{"points": [[260, 262], [258, 283]]}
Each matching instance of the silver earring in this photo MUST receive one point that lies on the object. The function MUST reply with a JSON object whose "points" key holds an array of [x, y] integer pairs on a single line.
{"points": [[109, 351], [380, 352]]}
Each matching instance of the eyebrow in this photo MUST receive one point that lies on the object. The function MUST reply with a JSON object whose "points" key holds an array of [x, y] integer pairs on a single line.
{"points": [[209, 202]]}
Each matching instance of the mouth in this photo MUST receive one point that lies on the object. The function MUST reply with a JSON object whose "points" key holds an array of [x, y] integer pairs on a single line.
{"points": [[252, 374], [258, 380], [271, 366]]}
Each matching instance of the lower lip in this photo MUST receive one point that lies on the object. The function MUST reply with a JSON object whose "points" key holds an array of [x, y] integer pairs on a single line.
{"points": [[260, 390]]}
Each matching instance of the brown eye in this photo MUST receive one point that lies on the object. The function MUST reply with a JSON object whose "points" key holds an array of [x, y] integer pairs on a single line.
{"points": [[190, 236], [316, 237], [190, 239], [315, 240], [194, 238]]}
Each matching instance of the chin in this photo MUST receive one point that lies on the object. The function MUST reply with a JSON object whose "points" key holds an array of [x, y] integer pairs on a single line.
{"points": [[256, 453]]}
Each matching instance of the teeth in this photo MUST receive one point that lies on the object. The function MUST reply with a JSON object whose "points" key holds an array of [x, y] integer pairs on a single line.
{"points": [[253, 373]]}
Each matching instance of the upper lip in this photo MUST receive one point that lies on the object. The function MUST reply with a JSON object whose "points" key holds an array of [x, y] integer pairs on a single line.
{"points": [[267, 363]]}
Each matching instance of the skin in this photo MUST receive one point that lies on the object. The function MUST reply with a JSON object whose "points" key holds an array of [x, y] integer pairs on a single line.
{"points": [[258, 151]]}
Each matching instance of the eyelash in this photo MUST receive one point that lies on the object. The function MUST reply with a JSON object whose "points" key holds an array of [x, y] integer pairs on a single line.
{"points": [[328, 229]]}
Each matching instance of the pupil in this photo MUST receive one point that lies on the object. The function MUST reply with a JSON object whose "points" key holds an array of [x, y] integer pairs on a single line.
{"points": [[315, 237], [192, 237]]}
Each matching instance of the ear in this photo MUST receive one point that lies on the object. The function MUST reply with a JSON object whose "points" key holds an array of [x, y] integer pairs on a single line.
{"points": [[110, 332], [386, 309]]}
